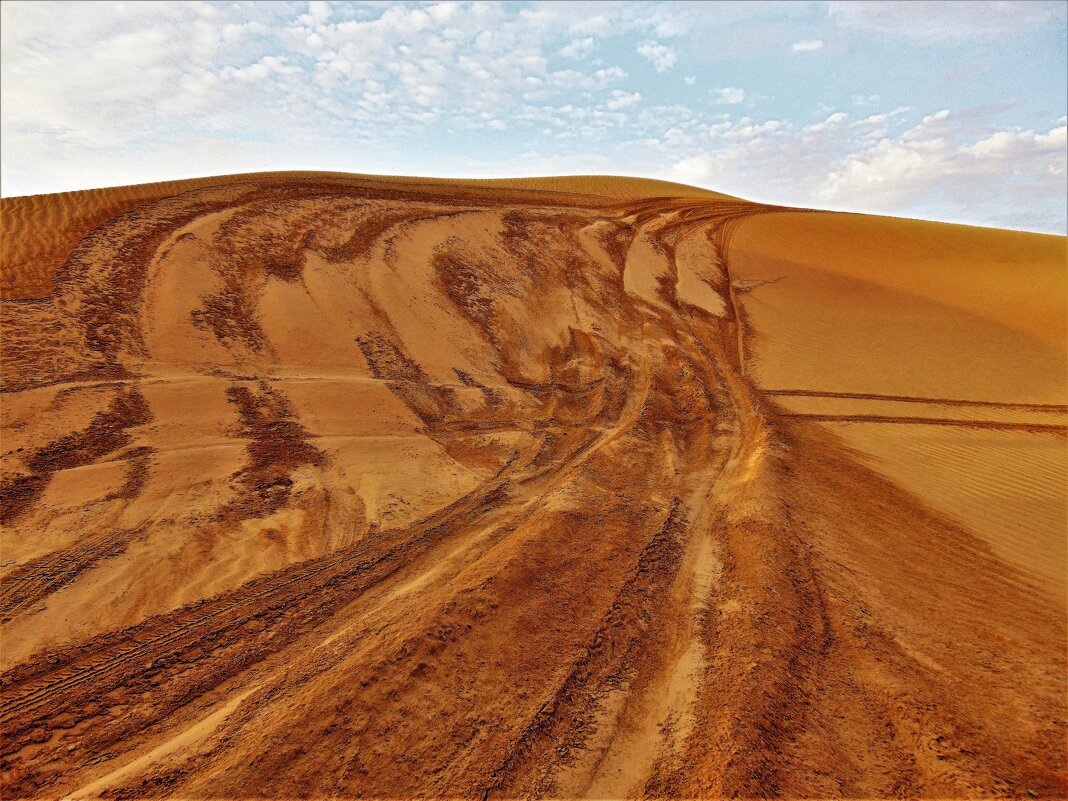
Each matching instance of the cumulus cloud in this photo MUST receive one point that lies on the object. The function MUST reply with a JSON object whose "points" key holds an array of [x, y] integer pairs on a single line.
{"points": [[620, 99], [833, 119], [731, 95], [1014, 145], [609, 74], [659, 55], [1009, 177], [807, 45], [578, 48], [934, 159]]}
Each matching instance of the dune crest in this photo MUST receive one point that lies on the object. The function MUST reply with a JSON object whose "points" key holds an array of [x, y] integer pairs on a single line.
{"points": [[325, 486]]}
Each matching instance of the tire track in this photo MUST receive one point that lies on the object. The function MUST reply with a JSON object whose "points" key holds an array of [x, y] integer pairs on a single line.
{"points": [[32, 582], [811, 393], [561, 726], [669, 588], [27, 688], [1031, 428]]}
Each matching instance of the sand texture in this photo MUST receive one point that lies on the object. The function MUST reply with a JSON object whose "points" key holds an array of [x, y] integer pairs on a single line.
{"points": [[330, 486]]}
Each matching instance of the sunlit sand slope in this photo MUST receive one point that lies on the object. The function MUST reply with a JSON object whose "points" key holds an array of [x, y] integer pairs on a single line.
{"points": [[327, 486], [936, 350], [39, 231], [950, 311]]}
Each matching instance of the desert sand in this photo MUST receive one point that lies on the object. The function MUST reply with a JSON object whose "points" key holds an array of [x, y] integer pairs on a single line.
{"points": [[332, 486]]}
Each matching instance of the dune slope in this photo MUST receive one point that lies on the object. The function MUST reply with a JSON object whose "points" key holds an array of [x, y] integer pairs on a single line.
{"points": [[329, 486]]}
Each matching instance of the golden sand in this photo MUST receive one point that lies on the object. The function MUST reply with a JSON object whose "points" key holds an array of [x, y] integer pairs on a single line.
{"points": [[319, 485]]}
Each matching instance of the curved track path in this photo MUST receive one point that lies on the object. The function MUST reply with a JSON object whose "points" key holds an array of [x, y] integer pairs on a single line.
{"points": [[329, 489]]}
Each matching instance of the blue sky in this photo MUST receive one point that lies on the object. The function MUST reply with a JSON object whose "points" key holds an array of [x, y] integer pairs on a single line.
{"points": [[951, 111]]}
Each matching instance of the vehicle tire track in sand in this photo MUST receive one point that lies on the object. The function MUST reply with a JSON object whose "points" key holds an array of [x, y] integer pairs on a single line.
{"points": [[997, 425], [260, 618], [626, 573], [811, 393]]}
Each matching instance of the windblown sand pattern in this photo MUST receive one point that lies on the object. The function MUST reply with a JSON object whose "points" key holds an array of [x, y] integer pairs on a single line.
{"points": [[331, 486]]}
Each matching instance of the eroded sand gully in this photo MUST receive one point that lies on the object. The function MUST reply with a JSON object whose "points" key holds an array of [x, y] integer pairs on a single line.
{"points": [[329, 488]]}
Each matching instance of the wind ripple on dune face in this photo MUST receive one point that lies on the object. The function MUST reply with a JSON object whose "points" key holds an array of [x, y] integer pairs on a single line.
{"points": [[400, 489], [1008, 486], [1000, 468]]}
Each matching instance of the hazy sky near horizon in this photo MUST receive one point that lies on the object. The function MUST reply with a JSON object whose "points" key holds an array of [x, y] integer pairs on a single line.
{"points": [[949, 111]]}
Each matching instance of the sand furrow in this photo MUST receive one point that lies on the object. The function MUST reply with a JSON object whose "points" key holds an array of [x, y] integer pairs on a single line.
{"points": [[328, 486]]}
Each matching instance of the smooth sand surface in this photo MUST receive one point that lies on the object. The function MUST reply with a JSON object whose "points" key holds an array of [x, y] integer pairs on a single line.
{"points": [[874, 320], [328, 486]]}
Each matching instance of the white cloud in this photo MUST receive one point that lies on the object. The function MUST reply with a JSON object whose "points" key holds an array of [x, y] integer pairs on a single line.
{"points": [[578, 48], [106, 75], [942, 21], [621, 100], [609, 74], [747, 130], [1013, 144], [933, 159], [659, 55], [731, 95], [597, 24], [833, 119], [318, 13], [106, 93], [807, 45], [938, 168]]}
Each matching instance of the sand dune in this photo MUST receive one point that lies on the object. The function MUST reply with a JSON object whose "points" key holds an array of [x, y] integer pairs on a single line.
{"points": [[41, 230], [317, 485], [871, 313]]}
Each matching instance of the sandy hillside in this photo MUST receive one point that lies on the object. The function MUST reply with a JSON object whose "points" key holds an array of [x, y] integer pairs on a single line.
{"points": [[332, 486]]}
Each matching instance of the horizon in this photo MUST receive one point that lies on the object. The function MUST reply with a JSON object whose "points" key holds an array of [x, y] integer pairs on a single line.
{"points": [[447, 178], [872, 108]]}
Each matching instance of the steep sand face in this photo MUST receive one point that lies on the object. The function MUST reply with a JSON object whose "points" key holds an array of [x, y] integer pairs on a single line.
{"points": [[329, 486], [953, 311], [937, 351]]}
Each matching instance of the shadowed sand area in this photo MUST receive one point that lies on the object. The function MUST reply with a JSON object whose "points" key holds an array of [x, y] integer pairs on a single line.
{"points": [[334, 486]]}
